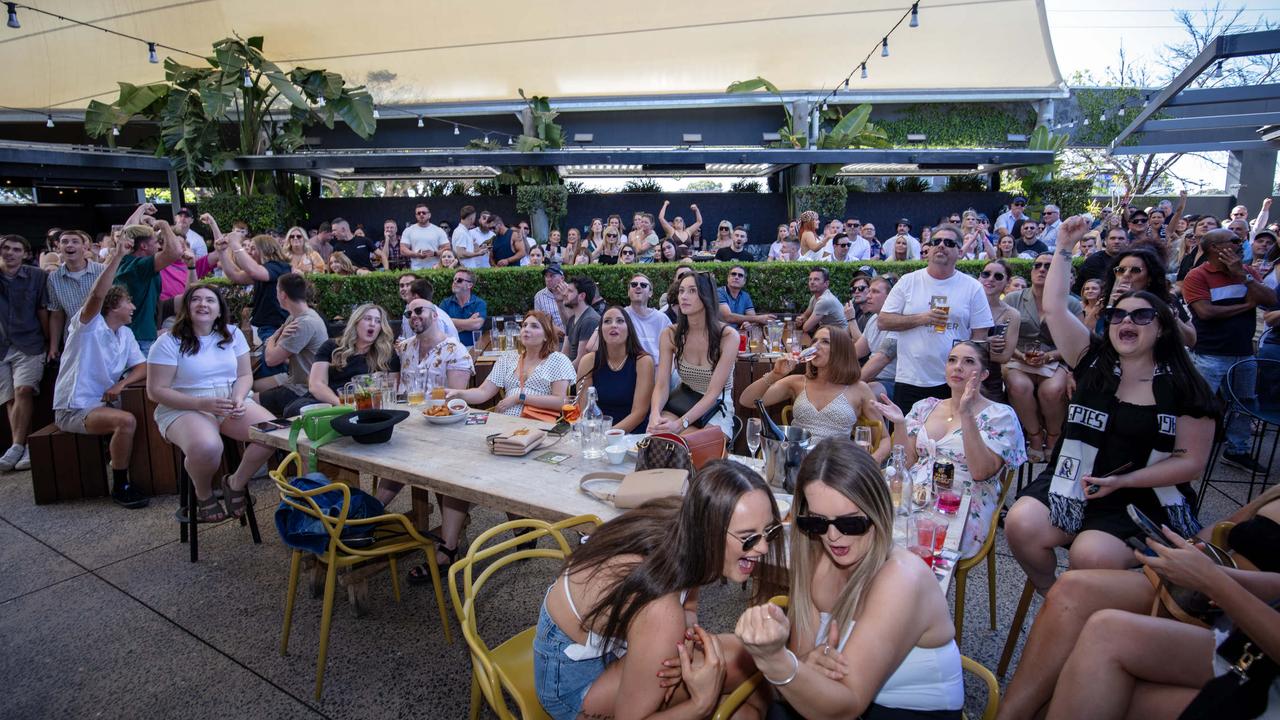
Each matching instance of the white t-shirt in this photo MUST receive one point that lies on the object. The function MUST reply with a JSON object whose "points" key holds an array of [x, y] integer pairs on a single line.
{"points": [[649, 330], [860, 250], [197, 244], [922, 353], [442, 321], [92, 361], [209, 367], [882, 341], [475, 237], [420, 238]]}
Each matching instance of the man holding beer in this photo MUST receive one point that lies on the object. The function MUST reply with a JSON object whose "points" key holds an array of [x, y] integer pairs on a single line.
{"points": [[930, 309]]}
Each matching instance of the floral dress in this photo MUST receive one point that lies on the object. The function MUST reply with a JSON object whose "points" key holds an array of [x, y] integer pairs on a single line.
{"points": [[1001, 433]]}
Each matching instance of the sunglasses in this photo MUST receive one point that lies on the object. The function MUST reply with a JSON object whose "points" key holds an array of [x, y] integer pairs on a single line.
{"points": [[853, 224], [859, 288], [770, 534], [991, 274], [933, 242], [421, 212], [1120, 270], [420, 310], [955, 220], [628, 252], [460, 280], [637, 285], [1141, 316], [295, 236], [844, 245], [610, 236], [737, 274], [1137, 221], [845, 525], [1040, 266]]}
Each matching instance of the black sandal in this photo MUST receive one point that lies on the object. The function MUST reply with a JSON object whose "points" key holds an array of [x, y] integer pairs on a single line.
{"points": [[207, 511], [421, 574], [236, 499]]}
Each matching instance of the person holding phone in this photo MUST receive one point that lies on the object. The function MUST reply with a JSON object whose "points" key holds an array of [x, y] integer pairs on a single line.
{"points": [[1138, 430]]}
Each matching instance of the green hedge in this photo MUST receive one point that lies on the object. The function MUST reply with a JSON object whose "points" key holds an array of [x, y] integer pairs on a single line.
{"points": [[509, 291]]}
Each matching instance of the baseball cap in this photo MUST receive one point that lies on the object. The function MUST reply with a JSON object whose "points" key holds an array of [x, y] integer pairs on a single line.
{"points": [[185, 211], [904, 221], [1019, 200], [552, 269]]}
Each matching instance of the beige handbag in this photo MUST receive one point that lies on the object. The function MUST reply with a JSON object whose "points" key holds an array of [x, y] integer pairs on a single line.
{"points": [[635, 488], [516, 443]]}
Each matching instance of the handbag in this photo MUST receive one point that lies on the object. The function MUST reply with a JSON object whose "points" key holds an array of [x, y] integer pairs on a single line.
{"points": [[1244, 690], [683, 398], [529, 412], [516, 443], [636, 488], [664, 450], [705, 444], [1183, 604]]}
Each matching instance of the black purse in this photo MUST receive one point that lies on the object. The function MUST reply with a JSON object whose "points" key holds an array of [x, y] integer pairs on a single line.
{"points": [[1243, 691], [683, 398]]}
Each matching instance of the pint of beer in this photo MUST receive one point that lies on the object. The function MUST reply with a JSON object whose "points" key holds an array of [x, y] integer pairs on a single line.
{"points": [[939, 302]]}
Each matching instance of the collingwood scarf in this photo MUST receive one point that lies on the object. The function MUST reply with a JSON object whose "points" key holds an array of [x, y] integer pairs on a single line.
{"points": [[1089, 419]]}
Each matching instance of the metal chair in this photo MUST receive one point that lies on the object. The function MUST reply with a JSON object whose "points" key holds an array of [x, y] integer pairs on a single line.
{"points": [[508, 668], [189, 531], [393, 535], [730, 704], [1252, 388], [987, 553], [993, 687]]}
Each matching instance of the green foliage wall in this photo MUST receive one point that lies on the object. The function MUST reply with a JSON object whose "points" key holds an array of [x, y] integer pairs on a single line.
{"points": [[960, 125], [826, 200], [509, 291], [262, 212]]}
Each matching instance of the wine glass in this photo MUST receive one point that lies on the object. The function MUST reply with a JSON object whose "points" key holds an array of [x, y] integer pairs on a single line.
{"points": [[862, 437], [753, 435]]}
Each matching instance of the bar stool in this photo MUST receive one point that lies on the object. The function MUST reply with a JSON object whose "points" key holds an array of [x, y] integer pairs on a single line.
{"points": [[188, 531], [1251, 389]]}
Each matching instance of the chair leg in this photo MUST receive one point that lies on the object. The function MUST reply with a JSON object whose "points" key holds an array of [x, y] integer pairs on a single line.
{"points": [[475, 697], [1019, 616], [192, 514], [961, 580], [253, 519], [184, 505], [430, 552], [991, 585], [395, 577], [326, 618], [295, 569]]}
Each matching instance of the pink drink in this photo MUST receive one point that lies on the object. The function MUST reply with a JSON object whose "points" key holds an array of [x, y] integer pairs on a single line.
{"points": [[923, 552], [948, 502], [939, 538], [926, 530]]}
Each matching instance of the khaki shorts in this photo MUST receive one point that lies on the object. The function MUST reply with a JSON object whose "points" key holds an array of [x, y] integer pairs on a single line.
{"points": [[166, 415], [19, 369], [73, 420]]}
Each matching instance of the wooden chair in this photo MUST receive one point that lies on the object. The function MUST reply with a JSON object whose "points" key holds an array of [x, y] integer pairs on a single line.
{"points": [[987, 552], [734, 700], [505, 670], [393, 535], [993, 687]]}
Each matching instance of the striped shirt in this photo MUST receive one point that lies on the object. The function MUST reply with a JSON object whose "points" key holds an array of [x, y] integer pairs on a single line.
{"points": [[67, 293], [1231, 336]]}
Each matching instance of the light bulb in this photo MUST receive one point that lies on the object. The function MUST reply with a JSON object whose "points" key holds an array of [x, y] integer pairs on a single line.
{"points": [[1102, 118], [486, 138], [915, 14], [13, 15], [1217, 70], [864, 71], [320, 101], [456, 131], [376, 115], [824, 106], [884, 47], [846, 83], [48, 121], [420, 123], [248, 82], [115, 131], [1086, 122], [151, 53], [510, 140]]}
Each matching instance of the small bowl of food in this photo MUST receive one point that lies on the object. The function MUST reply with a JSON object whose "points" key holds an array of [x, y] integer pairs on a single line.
{"points": [[457, 406], [443, 415]]}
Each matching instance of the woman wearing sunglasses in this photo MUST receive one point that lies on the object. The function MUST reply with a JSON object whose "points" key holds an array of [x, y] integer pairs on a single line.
{"points": [[302, 259], [867, 631], [1003, 337], [607, 250], [1139, 431], [633, 589], [1140, 269]]}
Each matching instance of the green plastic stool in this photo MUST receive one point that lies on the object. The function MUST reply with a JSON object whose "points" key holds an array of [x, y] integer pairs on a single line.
{"points": [[316, 424]]}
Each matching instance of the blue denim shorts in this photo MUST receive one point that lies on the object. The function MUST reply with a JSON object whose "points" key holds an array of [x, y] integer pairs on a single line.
{"points": [[561, 682]]}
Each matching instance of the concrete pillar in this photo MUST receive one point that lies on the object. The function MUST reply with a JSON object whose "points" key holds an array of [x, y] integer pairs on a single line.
{"points": [[1251, 177], [175, 190], [801, 173]]}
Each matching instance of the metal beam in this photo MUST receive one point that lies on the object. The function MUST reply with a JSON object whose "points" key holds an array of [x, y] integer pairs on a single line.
{"points": [[414, 158], [56, 156], [1223, 46], [1219, 96], [1250, 120], [1186, 147]]}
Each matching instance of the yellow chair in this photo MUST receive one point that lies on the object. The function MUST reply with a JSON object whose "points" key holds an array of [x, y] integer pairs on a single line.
{"points": [[786, 414], [393, 535], [507, 668], [993, 688], [987, 552], [1220, 533], [734, 700]]}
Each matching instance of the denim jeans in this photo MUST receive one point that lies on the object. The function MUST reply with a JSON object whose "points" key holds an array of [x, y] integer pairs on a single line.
{"points": [[265, 370], [1214, 369], [561, 682]]}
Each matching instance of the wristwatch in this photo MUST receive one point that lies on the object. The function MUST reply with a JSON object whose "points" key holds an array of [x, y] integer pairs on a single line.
{"points": [[684, 424], [522, 397]]}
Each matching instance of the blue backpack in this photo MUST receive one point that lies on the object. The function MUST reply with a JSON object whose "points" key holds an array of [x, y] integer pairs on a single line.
{"points": [[302, 531]]}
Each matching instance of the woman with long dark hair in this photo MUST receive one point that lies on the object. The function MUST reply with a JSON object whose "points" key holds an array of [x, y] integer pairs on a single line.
{"points": [[620, 370], [198, 375], [633, 588], [867, 617], [702, 351], [1140, 426], [1141, 269]]}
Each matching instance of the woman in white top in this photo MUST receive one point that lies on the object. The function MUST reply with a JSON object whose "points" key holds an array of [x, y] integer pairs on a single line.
{"points": [[811, 246], [99, 349], [868, 627], [537, 375], [979, 437], [702, 351], [829, 399], [198, 375]]}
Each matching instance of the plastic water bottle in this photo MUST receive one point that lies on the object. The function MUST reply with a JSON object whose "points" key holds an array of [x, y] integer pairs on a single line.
{"points": [[592, 427]]}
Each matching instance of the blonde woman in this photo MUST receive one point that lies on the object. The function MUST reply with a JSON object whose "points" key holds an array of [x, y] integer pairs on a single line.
{"points": [[302, 259], [367, 346], [868, 629], [340, 264]]}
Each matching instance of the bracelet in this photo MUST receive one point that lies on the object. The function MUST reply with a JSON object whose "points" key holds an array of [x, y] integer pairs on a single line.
{"points": [[794, 670]]}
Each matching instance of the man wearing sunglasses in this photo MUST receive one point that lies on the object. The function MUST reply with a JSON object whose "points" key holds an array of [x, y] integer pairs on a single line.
{"points": [[1095, 266], [467, 311], [1224, 295], [915, 308], [649, 322], [1016, 213], [736, 307], [423, 241]]}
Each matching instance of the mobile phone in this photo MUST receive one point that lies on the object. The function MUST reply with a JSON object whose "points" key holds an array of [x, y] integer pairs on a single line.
{"points": [[560, 428], [999, 329], [1149, 528], [402, 398], [270, 425]]}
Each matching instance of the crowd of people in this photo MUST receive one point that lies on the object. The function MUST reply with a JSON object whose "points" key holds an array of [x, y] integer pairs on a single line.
{"points": [[1108, 371]]}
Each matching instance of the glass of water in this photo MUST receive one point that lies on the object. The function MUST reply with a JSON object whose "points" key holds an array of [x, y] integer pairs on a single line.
{"points": [[753, 435], [862, 437]]}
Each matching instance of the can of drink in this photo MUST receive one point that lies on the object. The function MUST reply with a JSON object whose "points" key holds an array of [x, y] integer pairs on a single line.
{"points": [[944, 474]]}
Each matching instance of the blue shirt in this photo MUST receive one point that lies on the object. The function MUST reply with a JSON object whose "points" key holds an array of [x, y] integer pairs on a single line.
{"points": [[462, 312], [740, 306]]}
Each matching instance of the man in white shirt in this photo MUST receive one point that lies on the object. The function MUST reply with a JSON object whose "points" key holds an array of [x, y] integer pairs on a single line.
{"points": [[1052, 219], [545, 299], [182, 228], [423, 241], [648, 322], [481, 235], [936, 296], [1007, 219]]}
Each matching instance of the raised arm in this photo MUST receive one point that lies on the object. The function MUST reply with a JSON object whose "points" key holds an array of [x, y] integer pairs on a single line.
{"points": [[1070, 334], [232, 257], [697, 222], [173, 246], [93, 304], [773, 387], [662, 219], [143, 209]]}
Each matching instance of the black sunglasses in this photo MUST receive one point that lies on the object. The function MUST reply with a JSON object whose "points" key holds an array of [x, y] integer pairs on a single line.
{"points": [[639, 284], [844, 245], [1141, 316], [998, 276], [859, 288], [628, 252], [845, 524], [420, 310], [1119, 270], [770, 534], [933, 242], [1137, 221], [1040, 266], [737, 274]]}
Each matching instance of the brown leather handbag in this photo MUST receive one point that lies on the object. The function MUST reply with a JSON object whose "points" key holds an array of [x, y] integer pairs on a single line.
{"points": [[689, 451]]}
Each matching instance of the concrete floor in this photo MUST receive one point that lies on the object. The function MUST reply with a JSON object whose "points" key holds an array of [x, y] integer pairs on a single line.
{"points": [[102, 615]]}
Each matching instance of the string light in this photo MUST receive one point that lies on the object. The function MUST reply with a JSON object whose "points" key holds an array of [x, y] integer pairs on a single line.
{"points": [[376, 114], [13, 15], [115, 131], [486, 138], [510, 140], [320, 101], [151, 53], [915, 15], [248, 82], [1217, 70], [48, 122], [420, 123], [864, 71], [846, 83], [456, 130], [884, 47]]}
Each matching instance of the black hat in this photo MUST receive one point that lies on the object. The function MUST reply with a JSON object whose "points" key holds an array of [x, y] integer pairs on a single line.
{"points": [[904, 221], [553, 269], [368, 427]]}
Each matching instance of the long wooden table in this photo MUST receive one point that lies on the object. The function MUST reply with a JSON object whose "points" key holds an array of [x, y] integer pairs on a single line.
{"points": [[455, 460]]}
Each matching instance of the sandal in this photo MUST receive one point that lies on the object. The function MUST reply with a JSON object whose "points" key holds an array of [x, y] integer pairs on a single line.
{"points": [[1035, 451], [1051, 443], [236, 499], [207, 511], [421, 574]]}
